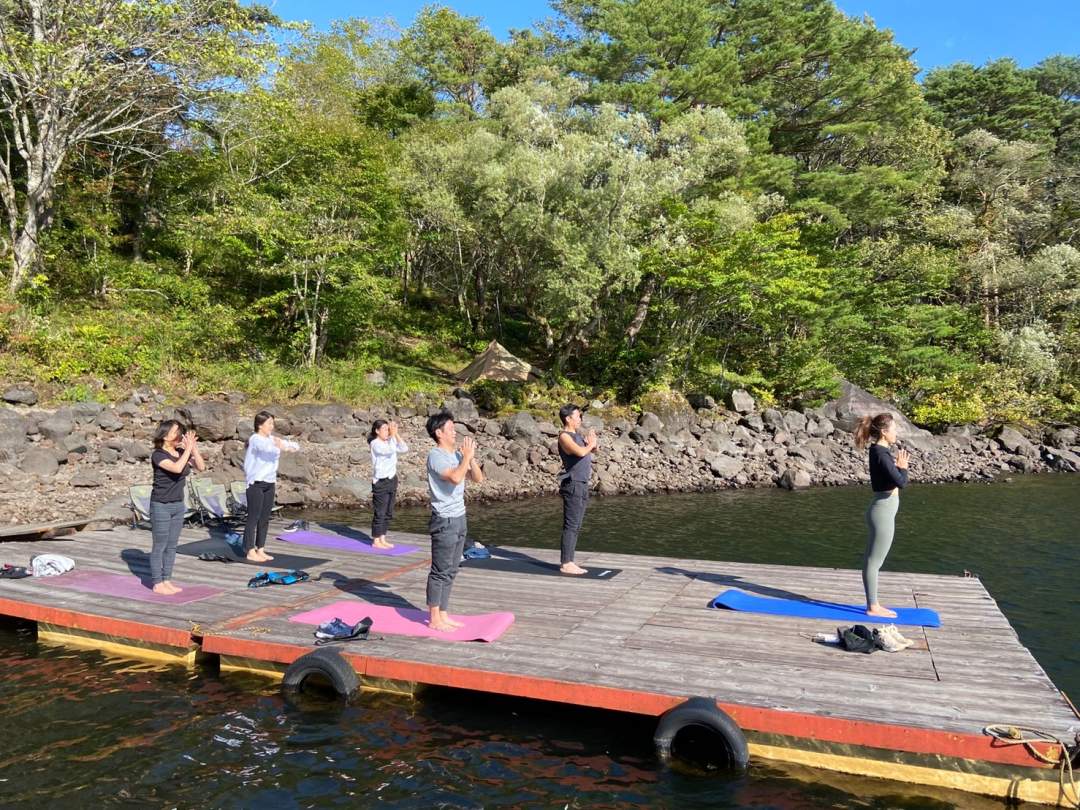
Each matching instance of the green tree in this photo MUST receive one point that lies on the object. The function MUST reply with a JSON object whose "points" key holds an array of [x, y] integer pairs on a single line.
{"points": [[92, 70], [998, 97]]}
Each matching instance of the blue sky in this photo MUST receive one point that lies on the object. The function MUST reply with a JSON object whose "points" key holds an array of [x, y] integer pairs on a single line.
{"points": [[942, 31]]}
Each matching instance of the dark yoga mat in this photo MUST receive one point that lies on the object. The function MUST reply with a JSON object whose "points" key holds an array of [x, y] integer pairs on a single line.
{"points": [[280, 561], [808, 609], [516, 566]]}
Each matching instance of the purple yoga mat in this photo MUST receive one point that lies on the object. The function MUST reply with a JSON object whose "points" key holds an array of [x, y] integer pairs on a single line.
{"points": [[342, 543], [126, 586], [395, 621]]}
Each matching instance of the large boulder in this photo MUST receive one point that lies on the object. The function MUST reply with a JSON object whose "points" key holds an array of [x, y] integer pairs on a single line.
{"points": [[85, 479], [670, 406], [296, 467], [794, 422], [20, 395], [463, 409], [108, 420], [334, 412], [701, 401], [55, 428], [794, 479], [741, 401], [1015, 442], [40, 462], [649, 424], [211, 420], [854, 403], [349, 488], [521, 426], [86, 411], [723, 465], [12, 434]]}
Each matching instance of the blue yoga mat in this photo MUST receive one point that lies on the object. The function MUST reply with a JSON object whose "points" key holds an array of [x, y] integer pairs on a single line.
{"points": [[856, 614]]}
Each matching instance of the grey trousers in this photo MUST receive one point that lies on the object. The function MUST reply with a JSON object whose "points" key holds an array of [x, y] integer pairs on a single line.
{"points": [[881, 522], [166, 521], [575, 498], [447, 545]]}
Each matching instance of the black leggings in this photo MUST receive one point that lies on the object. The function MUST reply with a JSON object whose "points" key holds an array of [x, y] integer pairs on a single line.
{"points": [[383, 495], [260, 503]]}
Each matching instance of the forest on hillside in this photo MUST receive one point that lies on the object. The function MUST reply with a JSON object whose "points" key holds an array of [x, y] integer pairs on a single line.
{"points": [[635, 195]]}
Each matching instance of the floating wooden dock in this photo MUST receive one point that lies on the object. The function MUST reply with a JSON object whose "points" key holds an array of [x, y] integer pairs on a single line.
{"points": [[641, 642]]}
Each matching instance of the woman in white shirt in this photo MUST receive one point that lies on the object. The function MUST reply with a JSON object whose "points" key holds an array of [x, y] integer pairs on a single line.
{"points": [[385, 446], [260, 472]]}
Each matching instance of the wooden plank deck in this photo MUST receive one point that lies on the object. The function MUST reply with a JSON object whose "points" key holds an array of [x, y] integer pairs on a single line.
{"points": [[642, 641]]}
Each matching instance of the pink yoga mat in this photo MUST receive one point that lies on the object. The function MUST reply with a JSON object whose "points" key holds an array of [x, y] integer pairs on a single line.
{"points": [[343, 543], [126, 586], [408, 621]]}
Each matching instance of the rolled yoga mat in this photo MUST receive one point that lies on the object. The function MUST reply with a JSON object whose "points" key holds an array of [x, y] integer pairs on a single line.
{"points": [[282, 561], [518, 566], [341, 543], [125, 586], [734, 599], [394, 621]]}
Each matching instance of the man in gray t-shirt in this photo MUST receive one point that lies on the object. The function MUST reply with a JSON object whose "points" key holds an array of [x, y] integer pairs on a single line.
{"points": [[447, 469]]}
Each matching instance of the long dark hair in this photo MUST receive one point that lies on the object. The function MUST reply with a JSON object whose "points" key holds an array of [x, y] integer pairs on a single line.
{"points": [[870, 429], [378, 423], [163, 429], [260, 419]]}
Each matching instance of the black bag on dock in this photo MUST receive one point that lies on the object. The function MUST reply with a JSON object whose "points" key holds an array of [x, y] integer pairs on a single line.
{"points": [[857, 638]]}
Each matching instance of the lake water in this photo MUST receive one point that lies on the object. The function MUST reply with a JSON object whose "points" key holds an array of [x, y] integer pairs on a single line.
{"points": [[83, 729]]}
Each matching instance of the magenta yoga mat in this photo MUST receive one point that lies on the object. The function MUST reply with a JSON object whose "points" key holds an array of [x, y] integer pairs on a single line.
{"points": [[409, 621], [342, 543], [126, 586]]}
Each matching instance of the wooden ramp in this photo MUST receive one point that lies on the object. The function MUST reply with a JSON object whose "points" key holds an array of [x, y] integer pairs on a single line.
{"points": [[643, 642]]}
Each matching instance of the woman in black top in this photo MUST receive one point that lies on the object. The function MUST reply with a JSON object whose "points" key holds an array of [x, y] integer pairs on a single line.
{"points": [[886, 479], [171, 462]]}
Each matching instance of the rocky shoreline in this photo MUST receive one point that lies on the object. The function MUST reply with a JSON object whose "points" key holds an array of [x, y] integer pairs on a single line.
{"points": [[79, 460]]}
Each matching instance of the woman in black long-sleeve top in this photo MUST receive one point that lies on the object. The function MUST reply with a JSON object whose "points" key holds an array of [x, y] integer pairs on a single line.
{"points": [[887, 478]]}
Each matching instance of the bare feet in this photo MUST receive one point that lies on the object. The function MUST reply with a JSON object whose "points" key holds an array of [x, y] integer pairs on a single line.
{"points": [[173, 588], [266, 557], [381, 542], [163, 589], [454, 624], [442, 627], [573, 568], [878, 610], [254, 555]]}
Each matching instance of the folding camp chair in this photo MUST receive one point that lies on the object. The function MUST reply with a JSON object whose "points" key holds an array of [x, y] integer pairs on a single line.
{"points": [[139, 504], [238, 499], [211, 501]]}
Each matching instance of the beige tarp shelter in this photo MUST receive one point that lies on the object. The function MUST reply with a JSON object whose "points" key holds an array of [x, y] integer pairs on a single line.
{"points": [[496, 363]]}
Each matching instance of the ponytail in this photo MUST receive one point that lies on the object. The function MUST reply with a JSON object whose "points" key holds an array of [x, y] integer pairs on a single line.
{"points": [[870, 428]]}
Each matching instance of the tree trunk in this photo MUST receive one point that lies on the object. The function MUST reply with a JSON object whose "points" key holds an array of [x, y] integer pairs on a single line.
{"points": [[642, 312]]}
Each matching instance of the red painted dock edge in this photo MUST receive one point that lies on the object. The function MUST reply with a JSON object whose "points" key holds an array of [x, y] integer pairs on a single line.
{"points": [[123, 628], [770, 721]]}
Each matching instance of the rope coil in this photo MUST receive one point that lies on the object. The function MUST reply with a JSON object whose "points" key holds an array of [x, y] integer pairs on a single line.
{"points": [[1022, 735]]}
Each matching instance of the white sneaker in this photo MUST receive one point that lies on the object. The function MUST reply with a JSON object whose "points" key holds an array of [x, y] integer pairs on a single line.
{"points": [[886, 642], [892, 631]]}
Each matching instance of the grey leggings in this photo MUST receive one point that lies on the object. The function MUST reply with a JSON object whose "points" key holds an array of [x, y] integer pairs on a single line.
{"points": [[881, 521], [166, 521]]}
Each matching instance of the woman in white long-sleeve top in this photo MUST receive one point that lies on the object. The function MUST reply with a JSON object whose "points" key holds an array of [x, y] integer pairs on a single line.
{"points": [[386, 445], [260, 471]]}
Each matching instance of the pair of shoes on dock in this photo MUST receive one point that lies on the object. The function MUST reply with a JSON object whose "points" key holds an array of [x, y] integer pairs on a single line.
{"points": [[888, 638]]}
